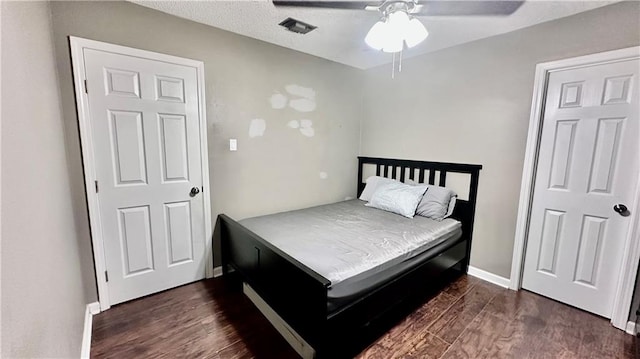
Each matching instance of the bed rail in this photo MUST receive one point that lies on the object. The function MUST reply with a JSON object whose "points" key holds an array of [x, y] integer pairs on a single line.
{"points": [[296, 292]]}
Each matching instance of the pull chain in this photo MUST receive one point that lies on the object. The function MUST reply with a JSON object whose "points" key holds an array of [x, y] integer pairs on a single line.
{"points": [[393, 63], [393, 66]]}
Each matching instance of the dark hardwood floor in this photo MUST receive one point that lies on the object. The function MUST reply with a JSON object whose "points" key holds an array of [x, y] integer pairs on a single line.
{"points": [[468, 319]]}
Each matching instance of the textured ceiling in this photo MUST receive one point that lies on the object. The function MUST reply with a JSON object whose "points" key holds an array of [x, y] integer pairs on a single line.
{"points": [[340, 33]]}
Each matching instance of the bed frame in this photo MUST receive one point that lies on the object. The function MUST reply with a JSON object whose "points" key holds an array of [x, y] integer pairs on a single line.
{"points": [[299, 295]]}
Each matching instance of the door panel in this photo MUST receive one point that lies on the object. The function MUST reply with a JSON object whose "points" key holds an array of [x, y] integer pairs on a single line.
{"points": [[135, 240], [146, 132], [562, 154], [588, 260], [588, 162], [551, 229], [127, 148], [173, 135], [606, 149], [178, 220]]}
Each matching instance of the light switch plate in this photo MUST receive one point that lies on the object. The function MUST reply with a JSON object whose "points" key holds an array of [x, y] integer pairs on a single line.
{"points": [[233, 144]]}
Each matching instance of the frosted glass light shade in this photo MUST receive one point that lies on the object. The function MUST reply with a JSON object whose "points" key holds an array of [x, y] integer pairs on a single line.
{"points": [[390, 34], [376, 37], [415, 33], [398, 21], [396, 30], [394, 44]]}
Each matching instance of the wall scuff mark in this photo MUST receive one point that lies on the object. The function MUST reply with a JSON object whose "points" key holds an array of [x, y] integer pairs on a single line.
{"points": [[305, 100], [306, 128], [278, 101], [300, 91], [257, 128], [302, 105]]}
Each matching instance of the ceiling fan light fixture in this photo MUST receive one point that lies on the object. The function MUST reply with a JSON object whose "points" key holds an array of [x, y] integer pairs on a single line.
{"points": [[394, 43], [416, 33], [396, 28], [398, 21], [376, 37], [382, 37]]}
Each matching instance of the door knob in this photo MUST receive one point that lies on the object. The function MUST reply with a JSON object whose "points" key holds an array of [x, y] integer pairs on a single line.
{"points": [[194, 191], [621, 209]]}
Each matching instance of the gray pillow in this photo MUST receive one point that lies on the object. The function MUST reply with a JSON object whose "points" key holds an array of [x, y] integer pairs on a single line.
{"points": [[437, 203], [398, 198]]}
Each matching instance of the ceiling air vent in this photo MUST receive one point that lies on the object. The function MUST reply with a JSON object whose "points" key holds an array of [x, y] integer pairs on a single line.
{"points": [[297, 26]]}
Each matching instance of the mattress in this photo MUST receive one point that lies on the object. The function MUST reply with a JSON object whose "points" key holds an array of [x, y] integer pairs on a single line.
{"points": [[349, 240]]}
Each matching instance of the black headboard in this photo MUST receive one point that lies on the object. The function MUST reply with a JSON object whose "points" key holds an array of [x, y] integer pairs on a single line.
{"points": [[417, 170]]}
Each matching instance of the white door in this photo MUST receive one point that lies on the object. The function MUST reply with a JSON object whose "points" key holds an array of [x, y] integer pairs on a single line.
{"points": [[145, 127], [588, 163]]}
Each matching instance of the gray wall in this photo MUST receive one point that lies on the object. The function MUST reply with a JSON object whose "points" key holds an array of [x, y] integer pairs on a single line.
{"points": [[277, 171], [471, 103], [43, 296]]}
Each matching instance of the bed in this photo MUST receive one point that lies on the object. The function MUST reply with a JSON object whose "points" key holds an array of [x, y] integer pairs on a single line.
{"points": [[326, 272]]}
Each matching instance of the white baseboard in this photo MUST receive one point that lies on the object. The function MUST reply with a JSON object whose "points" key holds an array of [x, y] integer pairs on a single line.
{"points": [[489, 277], [217, 272], [631, 328], [94, 308], [90, 311]]}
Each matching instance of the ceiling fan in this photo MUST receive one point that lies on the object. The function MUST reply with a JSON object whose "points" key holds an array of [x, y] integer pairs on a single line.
{"points": [[399, 25], [418, 7]]}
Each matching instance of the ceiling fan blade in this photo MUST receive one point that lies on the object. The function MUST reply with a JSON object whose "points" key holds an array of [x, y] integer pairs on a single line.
{"points": [[353, 5], [467, 7]]}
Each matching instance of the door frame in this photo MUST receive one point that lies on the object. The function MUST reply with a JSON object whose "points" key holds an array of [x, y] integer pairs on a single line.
{"points": [[84, 119], [631, 255]]}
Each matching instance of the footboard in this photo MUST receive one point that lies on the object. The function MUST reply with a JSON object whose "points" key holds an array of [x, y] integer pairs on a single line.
{"points": [[295, 292]]}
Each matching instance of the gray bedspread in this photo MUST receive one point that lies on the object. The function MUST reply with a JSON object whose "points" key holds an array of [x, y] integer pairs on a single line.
{"points": [[343, 239]]}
